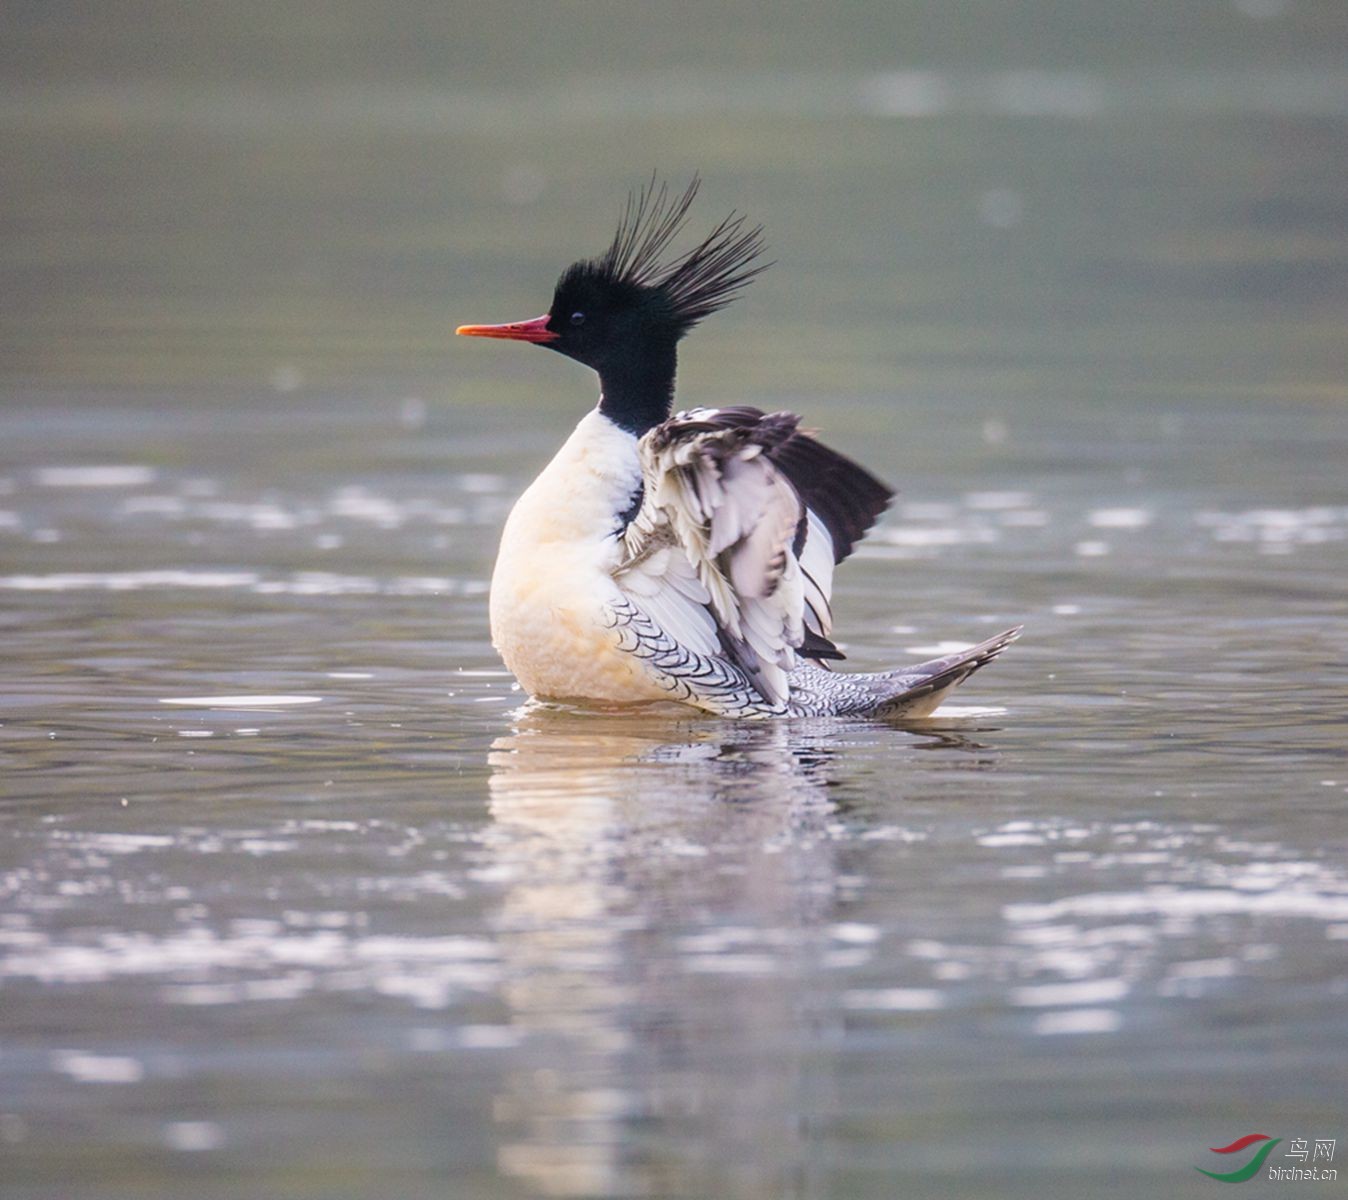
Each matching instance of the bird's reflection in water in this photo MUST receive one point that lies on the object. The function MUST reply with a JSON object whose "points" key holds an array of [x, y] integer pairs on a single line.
{"points": [[670, 883]]}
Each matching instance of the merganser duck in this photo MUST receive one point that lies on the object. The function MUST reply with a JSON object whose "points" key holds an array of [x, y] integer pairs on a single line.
{"points": [[686, 558]]}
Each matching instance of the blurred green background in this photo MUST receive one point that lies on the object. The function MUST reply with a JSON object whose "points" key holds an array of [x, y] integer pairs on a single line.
{"points": [[1107, 202]]}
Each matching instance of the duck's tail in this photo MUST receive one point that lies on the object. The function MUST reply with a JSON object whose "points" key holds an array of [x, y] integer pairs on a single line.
{"points": [[917, 691], [908, 693]]}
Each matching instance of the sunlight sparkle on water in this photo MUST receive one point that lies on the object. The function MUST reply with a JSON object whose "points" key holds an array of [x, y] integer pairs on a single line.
{"points": [[239, 701]]}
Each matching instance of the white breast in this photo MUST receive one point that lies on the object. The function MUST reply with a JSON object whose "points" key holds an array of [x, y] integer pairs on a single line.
{"points": [[553, 573]]}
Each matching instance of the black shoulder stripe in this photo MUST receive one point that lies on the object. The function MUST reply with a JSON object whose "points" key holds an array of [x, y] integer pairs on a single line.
{"points": [[628, 515]]}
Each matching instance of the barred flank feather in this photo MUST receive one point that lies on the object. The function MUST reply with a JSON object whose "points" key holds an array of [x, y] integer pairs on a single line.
{"points": [[698, 282]]}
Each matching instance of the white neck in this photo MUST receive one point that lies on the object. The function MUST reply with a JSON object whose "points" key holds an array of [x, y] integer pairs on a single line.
{"points": [[578, 496]]}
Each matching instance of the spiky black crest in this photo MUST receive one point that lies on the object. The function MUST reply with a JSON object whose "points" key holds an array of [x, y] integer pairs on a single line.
{"points": [[698, 282]]}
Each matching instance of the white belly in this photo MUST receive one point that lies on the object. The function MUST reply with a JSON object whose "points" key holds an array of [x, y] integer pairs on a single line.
{"points": [[553, 575]]}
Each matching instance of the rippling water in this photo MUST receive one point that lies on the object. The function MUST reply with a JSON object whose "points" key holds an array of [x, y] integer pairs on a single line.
{"points": [[299, 896], [298, 892]]}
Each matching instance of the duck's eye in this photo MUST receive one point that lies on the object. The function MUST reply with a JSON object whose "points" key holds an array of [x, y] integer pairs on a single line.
{"points": [[577, 318]]}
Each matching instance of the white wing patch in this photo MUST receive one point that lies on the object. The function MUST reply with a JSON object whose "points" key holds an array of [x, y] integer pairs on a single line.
{"points": [[816, 566]]}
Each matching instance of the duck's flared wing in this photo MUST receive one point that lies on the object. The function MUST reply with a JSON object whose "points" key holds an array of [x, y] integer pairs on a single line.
{"points": [[742, 519]]}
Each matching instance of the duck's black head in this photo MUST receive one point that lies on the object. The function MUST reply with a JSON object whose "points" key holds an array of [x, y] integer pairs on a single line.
{"points": [[622, 314]]}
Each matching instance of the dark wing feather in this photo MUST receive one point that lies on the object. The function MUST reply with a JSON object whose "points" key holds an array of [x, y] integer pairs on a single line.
{"points": [[818, 647], [708, 420], [846, 497]]}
